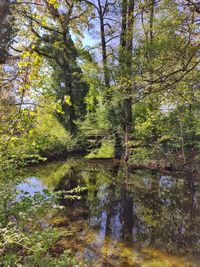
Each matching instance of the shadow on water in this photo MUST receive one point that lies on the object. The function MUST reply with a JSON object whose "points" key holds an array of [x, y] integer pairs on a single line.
{"points": [[125, 218]]}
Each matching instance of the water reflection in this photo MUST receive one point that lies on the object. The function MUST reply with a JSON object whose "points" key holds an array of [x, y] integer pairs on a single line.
{"points": [[30, 187], [127, 218]]}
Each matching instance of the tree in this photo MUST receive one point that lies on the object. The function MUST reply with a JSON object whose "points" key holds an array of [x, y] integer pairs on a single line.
{"points": [[146, 61], [127, 50], [102, 13], [6, 30], [50, 28]]}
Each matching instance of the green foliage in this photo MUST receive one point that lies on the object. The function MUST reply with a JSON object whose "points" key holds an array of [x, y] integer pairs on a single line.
{"points": [[105, 151], [141, 154], [68, 85], [158, 73], [64, 260], [24, 238], [50, 137], [75, 192]]}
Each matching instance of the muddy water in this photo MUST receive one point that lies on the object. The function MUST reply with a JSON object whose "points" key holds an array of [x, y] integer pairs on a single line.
{"points": [[124, 218]]}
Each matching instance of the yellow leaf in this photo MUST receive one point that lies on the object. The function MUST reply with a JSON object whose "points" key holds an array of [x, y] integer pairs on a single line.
{"points": [[67, 100]]}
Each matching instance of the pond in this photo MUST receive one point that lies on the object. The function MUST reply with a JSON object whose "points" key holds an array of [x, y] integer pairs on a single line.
{"points": [[125, 217]]}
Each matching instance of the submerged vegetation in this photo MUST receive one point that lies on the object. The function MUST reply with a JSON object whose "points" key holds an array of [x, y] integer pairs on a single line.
{"points": [[106, 78]]}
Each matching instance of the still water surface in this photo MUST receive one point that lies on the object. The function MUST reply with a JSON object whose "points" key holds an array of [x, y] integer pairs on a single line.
{"points": [[124, 218]]}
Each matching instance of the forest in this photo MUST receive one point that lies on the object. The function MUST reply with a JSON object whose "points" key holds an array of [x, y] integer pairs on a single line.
{"points": [[99, 108]]}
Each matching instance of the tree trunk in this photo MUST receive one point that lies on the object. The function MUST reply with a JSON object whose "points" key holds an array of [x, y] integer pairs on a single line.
{"points": [[103, 45], [5, 30], [126, 65]]}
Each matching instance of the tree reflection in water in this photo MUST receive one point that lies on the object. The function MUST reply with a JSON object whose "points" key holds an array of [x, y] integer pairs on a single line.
{"points": [[129, 217]]}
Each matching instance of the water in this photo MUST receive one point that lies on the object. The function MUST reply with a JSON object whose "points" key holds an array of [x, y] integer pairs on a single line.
{"points": [[124, 218], [30, 186]]}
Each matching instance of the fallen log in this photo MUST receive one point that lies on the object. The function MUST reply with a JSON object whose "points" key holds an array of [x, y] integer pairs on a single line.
{"points": [[164, 167], [156, 166]]}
